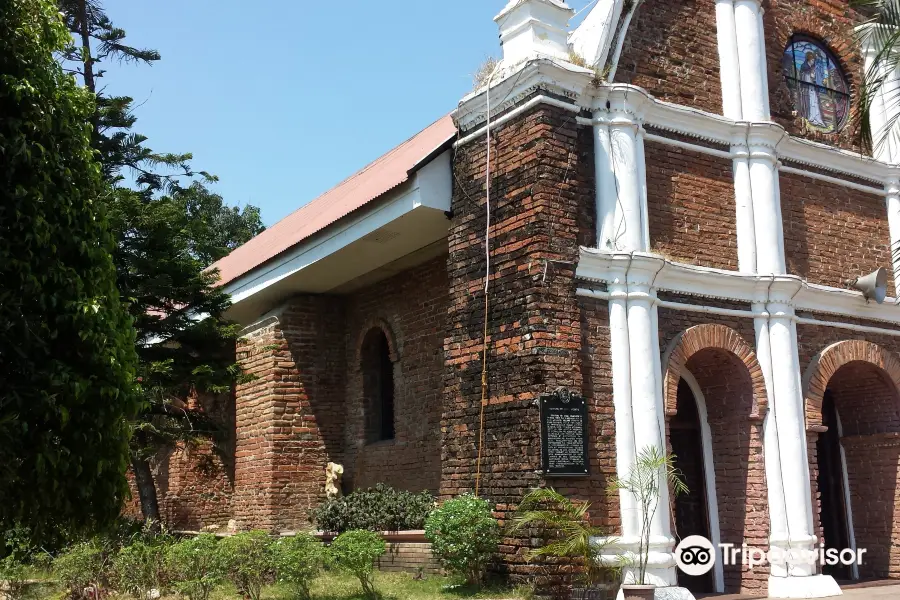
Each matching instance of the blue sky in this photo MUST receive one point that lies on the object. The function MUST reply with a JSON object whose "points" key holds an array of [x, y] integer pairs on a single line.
{"points": [[287, 98]]}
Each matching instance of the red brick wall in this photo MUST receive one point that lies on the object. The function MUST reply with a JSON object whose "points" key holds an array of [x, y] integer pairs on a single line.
{"points": [[830, 21], [832, 233], [290, 420], [671, 51], [413, 305], [872, 472], [539, 190], [690, 202]]}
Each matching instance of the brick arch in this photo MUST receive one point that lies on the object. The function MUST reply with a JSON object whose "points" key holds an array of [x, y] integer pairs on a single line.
{"points": [[385, 327], [824, 365], [701, 337]]}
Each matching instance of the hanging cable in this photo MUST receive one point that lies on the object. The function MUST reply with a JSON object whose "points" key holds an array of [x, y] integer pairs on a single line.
{"points": [[487, 281]]}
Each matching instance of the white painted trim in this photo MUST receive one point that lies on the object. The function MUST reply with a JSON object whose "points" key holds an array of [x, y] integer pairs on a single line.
{"points": [[709, 471], [791, 290], [848, 184], [429, 189], [660, 139], [783, 168], [479, 133]]}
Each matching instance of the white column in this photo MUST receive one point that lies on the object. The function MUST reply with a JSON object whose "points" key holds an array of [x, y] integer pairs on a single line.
{"points": [[729, 65], [604, 183], [786, 433], [778, 528], [621, 375], [647, 405], [892, 202], [766, 200], [743, 213], [628, 230], [751, 55]]}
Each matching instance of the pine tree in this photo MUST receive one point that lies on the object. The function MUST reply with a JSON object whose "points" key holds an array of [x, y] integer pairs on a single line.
{"points": [[168, 231], [67, 355]]}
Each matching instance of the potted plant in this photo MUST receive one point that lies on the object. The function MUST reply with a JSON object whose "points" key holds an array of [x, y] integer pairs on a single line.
{"points": [[650, 472], [570, 535]]}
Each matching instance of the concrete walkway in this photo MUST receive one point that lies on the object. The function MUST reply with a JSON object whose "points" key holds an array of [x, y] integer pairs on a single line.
{"points": [[859, 591]]}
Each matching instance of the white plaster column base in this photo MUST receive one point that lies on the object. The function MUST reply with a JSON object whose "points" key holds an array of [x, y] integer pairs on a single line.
{"points": [[666, 593], [814, 586]]}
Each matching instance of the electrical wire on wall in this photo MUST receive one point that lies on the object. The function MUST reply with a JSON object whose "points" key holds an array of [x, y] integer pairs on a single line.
{"points": [[487, 282]]}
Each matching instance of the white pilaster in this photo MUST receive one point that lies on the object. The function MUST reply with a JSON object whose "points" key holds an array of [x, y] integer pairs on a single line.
{"points": [[622, 222], [751, 56], [790, 504], [729, 65], [743, 212], [764, 188], [892, 204]]}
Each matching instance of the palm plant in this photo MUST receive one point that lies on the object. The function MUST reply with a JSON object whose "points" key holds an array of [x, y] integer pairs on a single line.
{"points": [[570, 530], [652, 470], [880, 35]]}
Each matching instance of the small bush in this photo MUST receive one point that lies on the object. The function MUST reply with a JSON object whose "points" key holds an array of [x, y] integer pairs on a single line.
{"points": [[248, 560], [142, 566], [377, 509], [15, 574], [463, 535], [356, 552], [196, 566], [298, 560], [81, 567]]}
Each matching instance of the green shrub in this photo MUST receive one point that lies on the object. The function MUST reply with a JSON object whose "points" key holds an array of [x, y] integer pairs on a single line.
{"points": [[298, 560], [377, 509], [142, 566], [196, 566], [356, 552], [463, 535], [248, 560], [15, 574], [83, 566]]}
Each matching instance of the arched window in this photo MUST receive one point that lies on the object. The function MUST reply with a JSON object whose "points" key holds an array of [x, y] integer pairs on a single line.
{"points": [[378, 386], [819, 89]]}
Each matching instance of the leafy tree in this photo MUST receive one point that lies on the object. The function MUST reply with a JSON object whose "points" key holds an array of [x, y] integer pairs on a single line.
{"points": [[881, 32], [98, 40], [67, 357], [185, 344], [167, 234]]}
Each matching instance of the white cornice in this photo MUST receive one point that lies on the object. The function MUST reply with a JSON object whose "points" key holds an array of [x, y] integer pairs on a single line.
{"points": [[642, 269], [516, 83], [562, 79]]}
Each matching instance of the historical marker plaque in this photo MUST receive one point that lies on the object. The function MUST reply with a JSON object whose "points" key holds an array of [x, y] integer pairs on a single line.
{"points": [[564, 434]]}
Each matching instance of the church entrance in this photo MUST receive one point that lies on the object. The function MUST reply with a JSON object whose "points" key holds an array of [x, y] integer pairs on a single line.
{"points": [[832, 488], [691, 509]]}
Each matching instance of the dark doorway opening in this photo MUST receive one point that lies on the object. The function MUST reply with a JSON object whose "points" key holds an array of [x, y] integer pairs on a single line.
{"points": [[835, 531], [691, 509]]}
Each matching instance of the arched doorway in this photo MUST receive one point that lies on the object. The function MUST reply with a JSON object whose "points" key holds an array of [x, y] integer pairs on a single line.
{"points": [[853, 416], [692, 513], [713, 375]]}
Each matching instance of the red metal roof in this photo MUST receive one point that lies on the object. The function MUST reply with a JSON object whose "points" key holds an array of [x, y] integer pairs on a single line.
{"points": [[384, 174]]}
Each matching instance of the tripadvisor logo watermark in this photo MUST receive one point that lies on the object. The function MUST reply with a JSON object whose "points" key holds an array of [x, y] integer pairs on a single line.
{"points": [[696, 555]]}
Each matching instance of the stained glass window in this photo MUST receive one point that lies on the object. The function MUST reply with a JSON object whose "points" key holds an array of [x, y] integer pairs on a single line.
{"points": [[818, 87]]}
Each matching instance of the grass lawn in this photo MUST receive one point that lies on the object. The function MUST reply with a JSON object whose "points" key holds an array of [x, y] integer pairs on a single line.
{"points": [[338, 586]]}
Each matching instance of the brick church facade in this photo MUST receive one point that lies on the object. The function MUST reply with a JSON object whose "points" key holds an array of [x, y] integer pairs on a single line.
{"points": [[672, 232]]}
